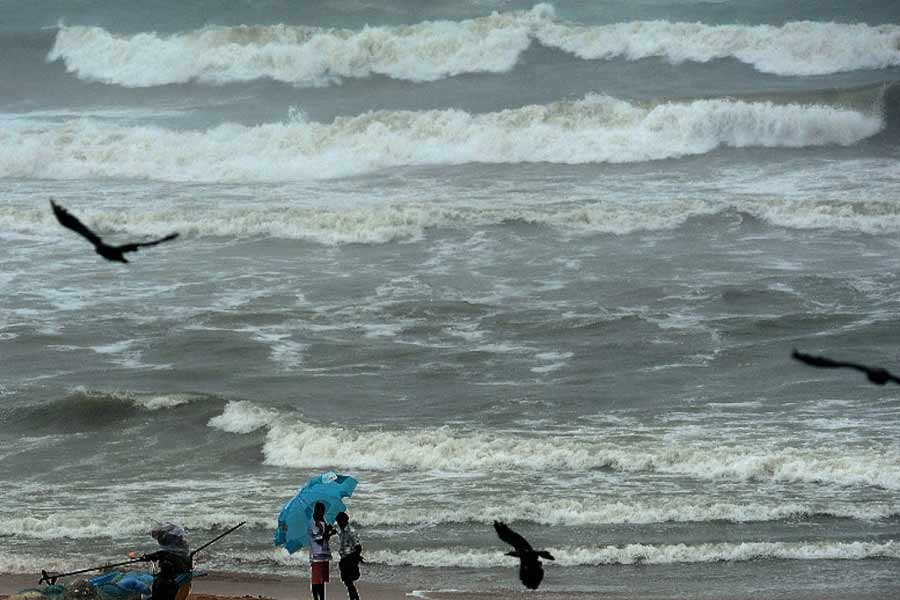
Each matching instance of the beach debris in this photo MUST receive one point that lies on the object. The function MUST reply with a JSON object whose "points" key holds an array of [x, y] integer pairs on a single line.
{"points": [[80, 589], [111, 253], [876, 375], [531, 570]]}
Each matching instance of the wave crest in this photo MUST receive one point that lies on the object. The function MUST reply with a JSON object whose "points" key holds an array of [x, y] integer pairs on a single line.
{"points": [[431, 50], [302, 445], [596, 129], [645, 553]]}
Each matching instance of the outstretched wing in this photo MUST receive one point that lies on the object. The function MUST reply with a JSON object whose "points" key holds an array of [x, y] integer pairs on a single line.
{"points": [[826, 363], [511, 537], [134, 247], [875, 374], [67, 220]]}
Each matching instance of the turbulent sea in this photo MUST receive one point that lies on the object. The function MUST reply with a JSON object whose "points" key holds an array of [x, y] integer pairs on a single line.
{"points": [[543, 263]]}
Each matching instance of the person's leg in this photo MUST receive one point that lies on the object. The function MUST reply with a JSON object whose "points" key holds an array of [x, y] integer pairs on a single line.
{"points": [[318, 591], [351, 590]]}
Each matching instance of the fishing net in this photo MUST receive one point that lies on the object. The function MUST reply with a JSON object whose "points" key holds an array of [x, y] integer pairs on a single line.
{"points": [[123, 585], [115, 585]]}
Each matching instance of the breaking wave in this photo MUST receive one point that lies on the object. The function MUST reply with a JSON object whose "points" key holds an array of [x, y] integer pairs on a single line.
{"points": [[248, 561], [88, 410], [597, 511], [397, 222], [573, 556], [596, 129], [243, 417], [645, 554], [431, 50], [110, 524], [301, 445]]}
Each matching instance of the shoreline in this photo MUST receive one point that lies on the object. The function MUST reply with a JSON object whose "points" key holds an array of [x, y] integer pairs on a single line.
{"points": [[241, 586], [222, 585]]}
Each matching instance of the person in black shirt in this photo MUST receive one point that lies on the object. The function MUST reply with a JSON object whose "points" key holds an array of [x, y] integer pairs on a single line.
{"points": [[173, 560]]}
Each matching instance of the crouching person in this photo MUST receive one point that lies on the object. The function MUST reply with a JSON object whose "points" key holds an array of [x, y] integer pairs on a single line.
{"points": [[351, 555]]}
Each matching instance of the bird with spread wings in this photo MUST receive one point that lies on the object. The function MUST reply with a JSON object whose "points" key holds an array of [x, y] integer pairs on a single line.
{"points": [[113, 253], [876, 375], [531, 570]]}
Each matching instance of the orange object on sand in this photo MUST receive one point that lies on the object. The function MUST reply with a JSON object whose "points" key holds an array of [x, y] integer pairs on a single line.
{"points": [[184, 591]]}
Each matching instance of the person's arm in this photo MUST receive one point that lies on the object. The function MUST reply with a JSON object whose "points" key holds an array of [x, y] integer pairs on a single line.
{"points": [[152, 557], [354, 541], [314, 532]]}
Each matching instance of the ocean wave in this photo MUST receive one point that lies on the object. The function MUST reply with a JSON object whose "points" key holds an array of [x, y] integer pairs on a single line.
{"points": [[367, 225], [398, 222], [243, 417], [302, 445], [799, 48], [114, 524], [85, 409], [575, 556], [596, 129], [431, 50], [642, 554], [598, 511], [145, 400], [197, 514]]}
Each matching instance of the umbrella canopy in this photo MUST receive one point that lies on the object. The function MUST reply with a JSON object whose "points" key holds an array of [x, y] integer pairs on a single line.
{"points": [[327, 488]]}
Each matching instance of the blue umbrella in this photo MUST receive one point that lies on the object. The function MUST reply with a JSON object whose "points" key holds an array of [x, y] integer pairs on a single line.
{"points": [[327, 488]]}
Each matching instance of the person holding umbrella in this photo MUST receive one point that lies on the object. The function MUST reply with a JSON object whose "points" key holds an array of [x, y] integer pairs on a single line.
{"points": [[304, 521], [319, 531]]}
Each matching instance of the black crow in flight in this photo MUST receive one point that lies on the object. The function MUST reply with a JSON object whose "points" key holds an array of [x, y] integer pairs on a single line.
{"points": [[113, 253], [876, 375], [531, 572]]}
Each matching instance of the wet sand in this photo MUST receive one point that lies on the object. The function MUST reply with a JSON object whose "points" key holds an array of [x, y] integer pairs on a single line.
{"points": [[229, 586]]}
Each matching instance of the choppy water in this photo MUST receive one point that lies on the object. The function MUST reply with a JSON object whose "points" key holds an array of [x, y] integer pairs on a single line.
{"points": [[543, 263]]}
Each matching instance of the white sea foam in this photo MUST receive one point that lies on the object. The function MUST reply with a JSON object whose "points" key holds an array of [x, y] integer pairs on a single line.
{"points": [[282, 350], [395, 222], [146, 401], [304, 445], [595, 129], [643, 553], [243, 417], [113, 524], [797, 48], [431, 50], [163, 401], [600, 511]]}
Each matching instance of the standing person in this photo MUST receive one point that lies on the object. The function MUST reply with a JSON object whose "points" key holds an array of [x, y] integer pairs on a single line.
{"points": [[319, 553], [173, 560], [351, 555]]}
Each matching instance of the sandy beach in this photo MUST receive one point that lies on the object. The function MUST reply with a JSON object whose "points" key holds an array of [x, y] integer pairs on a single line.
{"points": [[226, 585], [230, 586]]}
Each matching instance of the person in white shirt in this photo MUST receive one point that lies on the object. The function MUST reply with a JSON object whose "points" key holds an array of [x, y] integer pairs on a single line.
{"points": [[319, 552]]}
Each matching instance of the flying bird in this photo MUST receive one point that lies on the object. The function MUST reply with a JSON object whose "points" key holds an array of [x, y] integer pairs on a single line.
{"points": [[876, 375], [531, 571], [113, 253]]}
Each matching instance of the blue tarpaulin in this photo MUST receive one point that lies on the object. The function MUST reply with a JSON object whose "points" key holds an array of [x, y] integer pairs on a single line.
{"points": [[327, 488]]}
